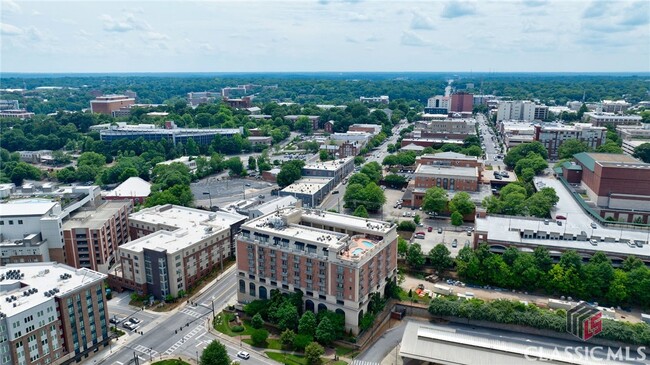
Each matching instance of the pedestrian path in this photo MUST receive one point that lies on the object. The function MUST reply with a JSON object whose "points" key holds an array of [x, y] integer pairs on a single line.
{"points": [[185, 338], [146, 350], [361, 362], [191, 313]]}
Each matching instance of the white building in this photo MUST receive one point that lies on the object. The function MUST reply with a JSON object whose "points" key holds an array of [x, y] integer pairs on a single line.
{"points": [[615, 106], [188, 161], [272, 206], [552, 135], [439, 101], [384, 99], [521, 110], [603, 119]]}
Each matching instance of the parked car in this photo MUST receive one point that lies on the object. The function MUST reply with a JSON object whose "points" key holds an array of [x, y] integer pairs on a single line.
{"points": [[560, 217], [439, 230], [593, 242], [430, 229], [261, 196], [419, 235], [115, 320], [335, 192], [593, 225], [454, 243], [469, 232], [243, 355], [129, 325], [247, 184], [135, 320]]}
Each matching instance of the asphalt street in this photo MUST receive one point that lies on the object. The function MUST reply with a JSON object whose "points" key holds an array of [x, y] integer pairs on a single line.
{"points": [[180, 332]]}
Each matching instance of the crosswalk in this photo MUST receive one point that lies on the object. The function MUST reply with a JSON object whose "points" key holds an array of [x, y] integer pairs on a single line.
{"points": [[191, 313], [185, 338], [146, 350]]}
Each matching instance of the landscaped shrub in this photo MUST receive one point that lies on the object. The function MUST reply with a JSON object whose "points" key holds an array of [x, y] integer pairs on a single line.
{"points": [[237, 328]]}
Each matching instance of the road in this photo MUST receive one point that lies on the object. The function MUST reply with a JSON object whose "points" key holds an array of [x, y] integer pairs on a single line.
{"points": [[490, 142], [333, 201], [180, 332]]}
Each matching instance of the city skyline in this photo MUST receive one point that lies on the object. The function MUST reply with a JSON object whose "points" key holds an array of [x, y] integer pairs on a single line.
{"points": [[325, 36]]}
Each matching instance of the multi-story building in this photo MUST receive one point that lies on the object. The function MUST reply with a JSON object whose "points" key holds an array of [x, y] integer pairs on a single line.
{"points": [[603, 119], [337, 170], [272, 206], [6, 190], [107, 104], [461, 102], [311, 191], [629, 145], [16, 113], [337, 261], [516, 133], [51, 314], [552, 135], [443, 176], [173, 134], [175, 247], [452, 159], [617, 184], [91, 238], [30, 248], [438, 104], [9, 105], [239, 103], [384, 99], [521, 110], [615, 106], [172, 217], [39, 156], [627, 132], [201, 97], [373, 129]]}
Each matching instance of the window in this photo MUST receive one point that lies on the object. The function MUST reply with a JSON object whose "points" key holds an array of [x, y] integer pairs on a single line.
{"points": [[11, 222], [20, 221]]}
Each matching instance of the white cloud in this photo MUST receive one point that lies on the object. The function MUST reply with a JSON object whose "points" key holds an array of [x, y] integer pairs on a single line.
{"points": [[356, 17], [11, 6], [596, 9], [351, 40], [457, 9], [10, 30], [35, 35], [421, 21], [155, 36], [535, 3], [413, 40], [636, 14], [126, 24]]}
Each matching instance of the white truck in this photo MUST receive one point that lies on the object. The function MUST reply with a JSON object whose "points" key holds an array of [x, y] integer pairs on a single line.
{"points": [[442, 289]]}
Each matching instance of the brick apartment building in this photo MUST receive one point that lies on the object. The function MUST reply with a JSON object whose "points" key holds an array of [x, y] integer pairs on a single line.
{"points": [[108, 104], [553, 135], [336, 260], [451, 159], [91, 238], [446, 177], [51, 314], [461, 102]]}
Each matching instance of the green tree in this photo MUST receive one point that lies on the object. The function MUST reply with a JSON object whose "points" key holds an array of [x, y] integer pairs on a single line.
{"points": [[259, 337], [374, 197], [252, 164], [440, 258], [303, 124], [642, 152], [373, 171], [394, 180], [323, 155], [359, 178], [22, 171], [435, 200], [287, 317], [325, 332], [92, 159], [417, 219], [360, 212], [406, 226], [301, 341], [402, 246], [307, 324], [215, 354], [66, 175], [414, 256], [287, 337], [570, 147], [235, 166], [290, 172], [522, 151], [192, 148], [462, 203], [456, 219], [257, 321], [313, 353], [609, 147]]}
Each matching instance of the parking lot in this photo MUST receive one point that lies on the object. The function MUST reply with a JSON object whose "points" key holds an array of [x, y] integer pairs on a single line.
{"points": [[224, 190]]}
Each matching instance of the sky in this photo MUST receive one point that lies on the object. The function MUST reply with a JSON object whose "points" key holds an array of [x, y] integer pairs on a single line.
{"points": [[325, 35]]}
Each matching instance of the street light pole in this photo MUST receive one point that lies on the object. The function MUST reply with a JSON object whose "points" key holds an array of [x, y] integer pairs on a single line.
{"points": [[197, 357], [209, 195]]}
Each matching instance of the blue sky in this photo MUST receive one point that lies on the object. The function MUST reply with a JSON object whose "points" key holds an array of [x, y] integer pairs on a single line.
{"points": [[326, 35]]}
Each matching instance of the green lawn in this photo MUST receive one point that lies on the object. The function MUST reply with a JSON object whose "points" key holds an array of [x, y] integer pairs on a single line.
{"points": [[271, 343], [224, 326], [342, 351], [287, 359], [340, 362], [170, 362]]}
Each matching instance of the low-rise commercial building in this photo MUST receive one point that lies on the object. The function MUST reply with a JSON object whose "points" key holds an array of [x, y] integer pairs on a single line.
{"points": [[311, 191], [373, 129], [188, 161], [337, 261], [641, 131], [16, 113], [9, 104], [273, 205], [604, 119], [51, 314], [447, 177], [384, 99], [91, 238], [615, 106], [337, 170], [451, 159], [552, 135]]}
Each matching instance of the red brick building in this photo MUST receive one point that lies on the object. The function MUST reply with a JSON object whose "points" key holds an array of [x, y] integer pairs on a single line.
{"points": [[461, 102], [108, 104]]}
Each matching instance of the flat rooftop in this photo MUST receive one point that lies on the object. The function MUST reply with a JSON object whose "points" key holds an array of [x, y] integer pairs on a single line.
{"points": [[307, 186], [171, 241], [183, 217], [26, 207], [95, 219], [447, 170], [328, 165], [448, 156], [609, 160], [42, 276]]}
